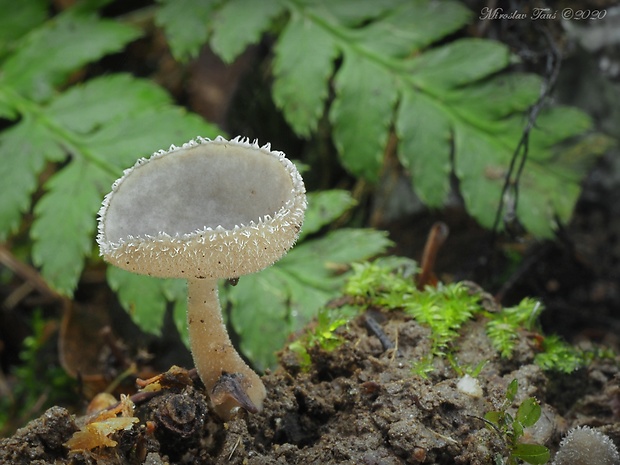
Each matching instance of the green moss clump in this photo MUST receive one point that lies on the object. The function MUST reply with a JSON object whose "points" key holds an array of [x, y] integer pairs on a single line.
{"points": [[388, 284], [323, 333], [503, 327], [443, 309]]}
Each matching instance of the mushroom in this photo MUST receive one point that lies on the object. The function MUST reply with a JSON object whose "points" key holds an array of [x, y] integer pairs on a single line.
{"points": [[209, 210]]}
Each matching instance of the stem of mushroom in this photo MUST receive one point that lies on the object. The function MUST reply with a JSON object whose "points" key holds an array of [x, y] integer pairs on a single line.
{"points": [[212, 350]]}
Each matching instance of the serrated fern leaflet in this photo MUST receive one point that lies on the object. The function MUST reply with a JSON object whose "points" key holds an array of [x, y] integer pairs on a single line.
{"points": [[455, 108]]}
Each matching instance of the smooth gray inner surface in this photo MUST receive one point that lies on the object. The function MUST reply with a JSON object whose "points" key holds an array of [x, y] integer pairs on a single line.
{"points": [[195, 188]]}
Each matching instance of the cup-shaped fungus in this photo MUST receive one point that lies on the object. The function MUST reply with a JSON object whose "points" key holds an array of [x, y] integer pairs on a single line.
{"points": [[208, 210]]}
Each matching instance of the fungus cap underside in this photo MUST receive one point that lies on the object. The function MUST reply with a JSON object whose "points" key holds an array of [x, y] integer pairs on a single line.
{"points": [[211, 208]]}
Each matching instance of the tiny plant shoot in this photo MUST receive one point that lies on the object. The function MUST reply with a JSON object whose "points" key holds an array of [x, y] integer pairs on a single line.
{"points": [[510, 429]]}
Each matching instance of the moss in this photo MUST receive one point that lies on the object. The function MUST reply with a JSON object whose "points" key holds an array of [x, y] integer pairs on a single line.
{"points": [[323, 333], [503, 327], [388, 284]]}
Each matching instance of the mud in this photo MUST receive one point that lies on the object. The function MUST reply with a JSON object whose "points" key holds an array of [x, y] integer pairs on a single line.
{"points": [[358, 404]]}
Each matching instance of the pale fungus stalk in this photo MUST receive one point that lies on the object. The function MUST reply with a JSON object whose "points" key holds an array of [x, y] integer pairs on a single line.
{"points": [[209, 210], [213, 352]]}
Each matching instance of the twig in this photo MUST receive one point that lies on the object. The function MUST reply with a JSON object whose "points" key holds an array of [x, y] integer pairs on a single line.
{"points": [[436, 237], [374, 327], [510, 191], [29, 274], [234, 448]]}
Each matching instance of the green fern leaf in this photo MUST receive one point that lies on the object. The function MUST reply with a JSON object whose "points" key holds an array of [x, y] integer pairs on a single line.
{"points": [[125, 140], [237, 25], [24, 149], [185, 23], [294, 71], [144, 297], [551, 181], [325, 207], [481, 175], [96, 130], [64, 224], [260, 307], [350, 12], [423, 128], [7, 111], [495, 98], [449, 104], [175, 291], [47, 55], [18, 18], [556, 125], [362, 113], [457, 63], [455, 113], [314, 262], [100, 127], [549, 186], [99, 102], [283, 298], [406, 26]]}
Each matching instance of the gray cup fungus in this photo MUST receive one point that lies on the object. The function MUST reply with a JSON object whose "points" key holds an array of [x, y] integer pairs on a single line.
{"points": [[210, 209]]}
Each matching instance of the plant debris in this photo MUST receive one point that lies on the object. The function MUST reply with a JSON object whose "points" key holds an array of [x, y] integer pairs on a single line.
{"points": [[99, 430]]}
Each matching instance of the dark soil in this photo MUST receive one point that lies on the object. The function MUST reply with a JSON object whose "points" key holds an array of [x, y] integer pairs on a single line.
{"points": [[358, 404]]}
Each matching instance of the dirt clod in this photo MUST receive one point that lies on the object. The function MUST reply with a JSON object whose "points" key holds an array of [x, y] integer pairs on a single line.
{"points": [[41, 441], [359, 404]]}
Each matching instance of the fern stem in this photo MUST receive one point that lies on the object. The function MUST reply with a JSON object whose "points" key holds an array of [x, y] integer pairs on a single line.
{"points": [[68, 140]]}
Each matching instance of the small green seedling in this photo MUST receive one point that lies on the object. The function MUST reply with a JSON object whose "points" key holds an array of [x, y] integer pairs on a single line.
{"points": [[462, 370], [511, 429]]}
